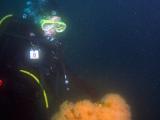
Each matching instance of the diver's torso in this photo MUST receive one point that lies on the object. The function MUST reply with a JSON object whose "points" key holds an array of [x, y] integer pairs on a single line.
{"points": [[19, 39]]}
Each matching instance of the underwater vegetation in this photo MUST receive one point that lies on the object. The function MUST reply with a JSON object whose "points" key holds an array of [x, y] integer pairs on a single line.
{"points": [[110, 107]]}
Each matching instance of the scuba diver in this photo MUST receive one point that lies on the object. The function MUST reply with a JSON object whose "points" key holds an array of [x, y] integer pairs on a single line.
{"points": [[19, 42], [26, 49], [33, 69]]}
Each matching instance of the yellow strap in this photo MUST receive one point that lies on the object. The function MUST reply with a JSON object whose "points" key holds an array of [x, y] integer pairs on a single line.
{"points": [[39, 83]]}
